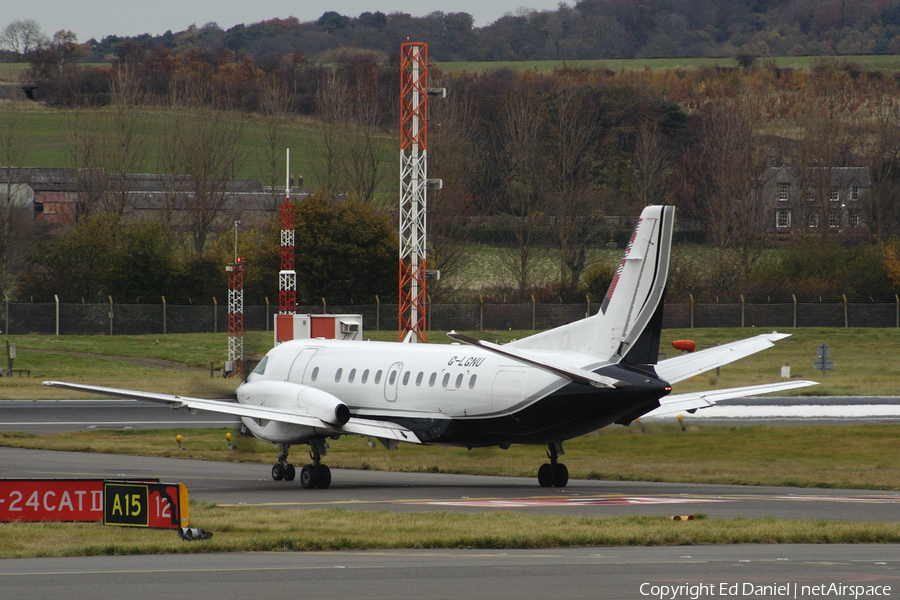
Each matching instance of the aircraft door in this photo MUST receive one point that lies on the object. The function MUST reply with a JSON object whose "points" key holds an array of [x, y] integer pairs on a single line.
{"points": [[392, 382], [298, 368], [506, 389]]}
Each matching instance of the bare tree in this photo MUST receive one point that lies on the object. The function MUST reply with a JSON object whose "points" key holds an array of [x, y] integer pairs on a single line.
{"points": [[525, 175], [212, 155], [21, 37], [170, 160], [650, 166], [16, 217], [574, 202], [451, 158], [882, 152], [823, 143], [276, 103], [332, 108], [361, 136], [727, 170], [83, 142], [169, 153], [124, 149]]}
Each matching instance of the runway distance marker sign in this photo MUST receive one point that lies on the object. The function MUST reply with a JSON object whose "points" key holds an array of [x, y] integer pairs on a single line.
{"points": [[132, 503], [51, 500], [144, 504]]}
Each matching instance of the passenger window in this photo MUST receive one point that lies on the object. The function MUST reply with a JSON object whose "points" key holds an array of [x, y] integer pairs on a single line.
{"points": [[337, 376], [472, 382], [419, 378], [432, 379], [406, 378], [459, 379], [351, 376], [365, 376], [392, 378], [315, 374], [446, 379], [378, 377]]}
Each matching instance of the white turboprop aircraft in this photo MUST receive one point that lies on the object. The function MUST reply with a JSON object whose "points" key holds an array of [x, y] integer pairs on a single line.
{"points": [[541, 390]]}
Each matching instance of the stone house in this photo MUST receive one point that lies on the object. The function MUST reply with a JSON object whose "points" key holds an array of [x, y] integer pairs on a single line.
{"points": [[814, 199]]}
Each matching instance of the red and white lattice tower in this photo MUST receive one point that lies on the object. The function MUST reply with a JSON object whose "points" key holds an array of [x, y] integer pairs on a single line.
{"points": [[236, 314], [287, 277], [413, 181]]}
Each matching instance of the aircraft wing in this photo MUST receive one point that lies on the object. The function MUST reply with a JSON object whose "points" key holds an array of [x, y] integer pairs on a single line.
{"points": [[355, 426], [691, 402], [685, 366], [574, 373]]}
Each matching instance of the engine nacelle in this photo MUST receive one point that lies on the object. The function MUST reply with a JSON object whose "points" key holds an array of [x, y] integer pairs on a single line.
{"points": [[295, 396]]}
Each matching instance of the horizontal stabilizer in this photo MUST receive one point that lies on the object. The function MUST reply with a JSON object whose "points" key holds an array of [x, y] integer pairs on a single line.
{"points": [[674, 403], [685, 366], [355, 426], [574, 373]]}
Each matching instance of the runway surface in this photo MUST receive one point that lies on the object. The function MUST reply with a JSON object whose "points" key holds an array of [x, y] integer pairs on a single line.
{"points": [[578, 573]]}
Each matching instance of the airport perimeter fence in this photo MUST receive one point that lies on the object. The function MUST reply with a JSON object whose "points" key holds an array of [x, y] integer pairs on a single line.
{"points": [[141, 319]]}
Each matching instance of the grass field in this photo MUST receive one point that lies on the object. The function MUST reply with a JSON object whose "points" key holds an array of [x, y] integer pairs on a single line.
{"points": [[267, 530], [48, 141], [11, 72], [863, 359]]}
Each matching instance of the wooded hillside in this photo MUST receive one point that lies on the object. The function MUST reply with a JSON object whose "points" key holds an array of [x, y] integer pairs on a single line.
{"points": [[589, 29]]}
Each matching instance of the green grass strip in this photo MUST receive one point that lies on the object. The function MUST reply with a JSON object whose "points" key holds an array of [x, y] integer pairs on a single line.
{"points": [[267, 530]]}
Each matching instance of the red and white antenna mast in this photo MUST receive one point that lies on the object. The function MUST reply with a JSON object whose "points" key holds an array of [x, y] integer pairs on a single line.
{"points": [[414, 94], [287, 277], [236, 310]]}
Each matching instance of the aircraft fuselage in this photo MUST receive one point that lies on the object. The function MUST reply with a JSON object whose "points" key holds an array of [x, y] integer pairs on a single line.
{"points": [[446, 394]]}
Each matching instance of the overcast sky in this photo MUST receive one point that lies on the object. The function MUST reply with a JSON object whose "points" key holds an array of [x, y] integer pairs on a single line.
{"points": [[99, 18]]}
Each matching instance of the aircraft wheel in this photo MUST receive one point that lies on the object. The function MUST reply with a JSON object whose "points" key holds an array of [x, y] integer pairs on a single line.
{"points": [[289, 472], [278, 472], [324, 477], [545, 475], [560, 475], [309, 477]]}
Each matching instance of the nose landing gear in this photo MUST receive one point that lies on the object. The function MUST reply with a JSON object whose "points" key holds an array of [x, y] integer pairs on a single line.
{"points": [[312, 476], [283, 470]]}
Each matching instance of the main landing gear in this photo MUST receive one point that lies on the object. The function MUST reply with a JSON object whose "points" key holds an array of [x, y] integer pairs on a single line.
{"points": [[315, 475], [553, 474]]}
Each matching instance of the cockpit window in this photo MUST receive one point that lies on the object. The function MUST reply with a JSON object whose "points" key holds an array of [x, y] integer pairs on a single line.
{"points": [[261, 367]]}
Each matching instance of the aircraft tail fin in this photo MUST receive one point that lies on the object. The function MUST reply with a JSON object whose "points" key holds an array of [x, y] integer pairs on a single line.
{"points": [[627, 326]]}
